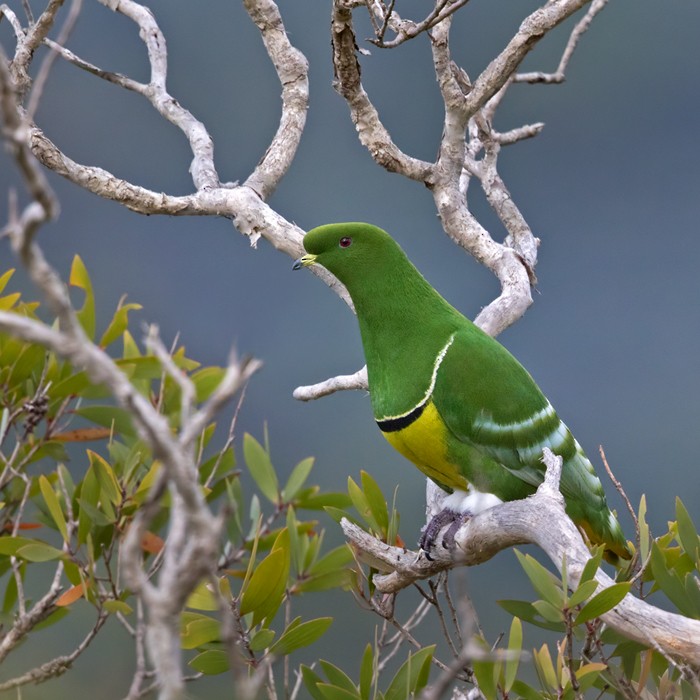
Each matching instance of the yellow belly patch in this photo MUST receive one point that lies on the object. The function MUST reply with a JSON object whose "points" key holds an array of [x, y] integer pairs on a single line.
{"points": [[424, 442]]}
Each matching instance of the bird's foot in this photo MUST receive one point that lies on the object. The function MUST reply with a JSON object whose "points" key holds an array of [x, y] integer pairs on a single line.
{"points": [[430, 532]]}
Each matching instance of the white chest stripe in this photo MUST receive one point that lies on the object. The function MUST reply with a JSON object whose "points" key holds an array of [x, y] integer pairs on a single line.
{"points": [[438, 361]]}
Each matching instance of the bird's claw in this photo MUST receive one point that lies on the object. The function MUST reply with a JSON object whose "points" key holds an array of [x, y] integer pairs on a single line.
{"points": [[445, 517]]}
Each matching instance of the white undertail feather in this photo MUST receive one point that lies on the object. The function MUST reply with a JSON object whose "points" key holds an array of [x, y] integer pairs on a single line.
{"points": [[471, 501]]}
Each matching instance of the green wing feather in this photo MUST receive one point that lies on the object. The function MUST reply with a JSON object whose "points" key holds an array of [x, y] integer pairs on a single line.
{"points": [[491, 404]]}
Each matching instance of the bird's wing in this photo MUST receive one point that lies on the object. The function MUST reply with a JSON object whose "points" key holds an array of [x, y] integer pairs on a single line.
{"points": [[490, 402]]}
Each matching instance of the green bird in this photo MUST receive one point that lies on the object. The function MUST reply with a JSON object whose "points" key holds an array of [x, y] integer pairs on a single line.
{"points": [[449, 397]]}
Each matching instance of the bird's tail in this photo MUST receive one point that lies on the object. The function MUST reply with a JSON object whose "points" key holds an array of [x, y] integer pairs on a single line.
{"points": [[607, 531]]}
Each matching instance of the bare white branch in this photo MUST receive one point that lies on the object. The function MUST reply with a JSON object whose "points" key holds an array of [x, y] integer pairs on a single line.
{"points": [[343, 382], [541, 520], [292, 69], [559, 75]]}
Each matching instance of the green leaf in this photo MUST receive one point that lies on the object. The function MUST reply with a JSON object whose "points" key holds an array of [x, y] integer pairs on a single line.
{"points": [[260, 467], [669, 582], [367, 675], [515, 646], [200, 631], [526, 691], [545, 667], [527, 612], [687, 533], [109, 487], [211, 662], [311, 681], [324, 582], [485, 672], [261, 639], [301, 635], [79, 278], [297, 478], [38, 552], [602, 602], [10, 545], [592, 565], [319, 501], [644, 534], [265, 590], [333, 692], [54, 506], [206, 380], [376, 501], [119, 323], [543, 581], [583, 593], [361, 503], [548, 611], [203, 598], [5, 278], [338, 677], [117, 606], [412, 676]]}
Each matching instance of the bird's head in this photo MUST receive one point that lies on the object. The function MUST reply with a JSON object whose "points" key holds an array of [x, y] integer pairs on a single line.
{"points": [[349, 251]]}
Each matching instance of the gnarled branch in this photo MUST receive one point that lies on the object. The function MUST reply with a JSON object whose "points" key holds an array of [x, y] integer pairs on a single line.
{"points": [[541, 520]]}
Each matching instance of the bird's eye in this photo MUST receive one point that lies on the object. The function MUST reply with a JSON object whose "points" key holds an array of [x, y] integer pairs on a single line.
{"points": [[345, 242]]}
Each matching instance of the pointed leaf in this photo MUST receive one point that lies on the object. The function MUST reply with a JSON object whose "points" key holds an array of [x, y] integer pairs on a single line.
{"points": [[582, 593], [265, 590], [603, 602], [359, 500], [52, 503], [260, 467], [543, 581], [5, 278], [297, 479], [526, 611], [117, 606], [119, 323], [644, 534], [545, 667], [311, 681], [687, 534], [210, 662], [412, 675], [376, 501], [38, 552], [669, 582], [592, 565], [485, 674], [367, 675], [515, 646], [337, 677], [300, 636], [79, 278], [70, 596], [200, 631]]}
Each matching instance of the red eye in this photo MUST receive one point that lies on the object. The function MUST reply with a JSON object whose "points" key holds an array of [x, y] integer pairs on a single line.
{"points": [[345, 242]]}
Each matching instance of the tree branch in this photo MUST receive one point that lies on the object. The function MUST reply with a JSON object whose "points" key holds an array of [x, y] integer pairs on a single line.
{"points": [[541, 520]]}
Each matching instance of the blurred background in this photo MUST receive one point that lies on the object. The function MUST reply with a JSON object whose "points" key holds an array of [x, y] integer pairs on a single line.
{"points": [[611, 187]]}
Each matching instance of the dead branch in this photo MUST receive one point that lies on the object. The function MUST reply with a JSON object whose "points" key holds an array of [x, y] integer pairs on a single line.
{"points": [[541, 520]]}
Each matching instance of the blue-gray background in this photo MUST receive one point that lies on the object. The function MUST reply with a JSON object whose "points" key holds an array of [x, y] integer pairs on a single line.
{"points": [[612, 188]]}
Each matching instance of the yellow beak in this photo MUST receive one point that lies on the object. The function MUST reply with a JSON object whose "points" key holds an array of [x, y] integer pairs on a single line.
{"points": [[304, 261]]}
